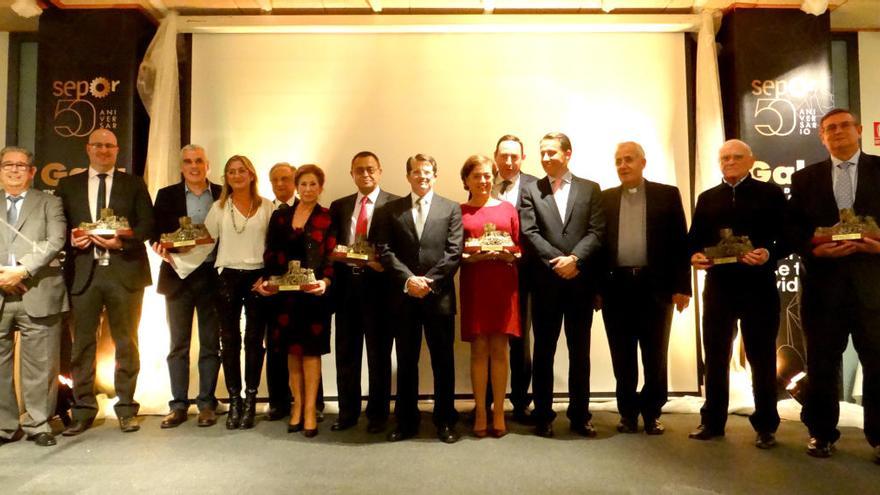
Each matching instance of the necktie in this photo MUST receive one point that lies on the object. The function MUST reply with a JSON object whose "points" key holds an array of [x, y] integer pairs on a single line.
{"points": [[102, 195], [420, 217], [12, 219], [504, 185], [360, 228], [843, 188], [282, 206]]}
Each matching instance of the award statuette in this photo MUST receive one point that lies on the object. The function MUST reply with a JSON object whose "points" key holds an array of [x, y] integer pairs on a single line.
{"points": [[109, 225], [729, 249], [189, 234], [851, 227], [296, 278], [491, 240], [357, 253]]}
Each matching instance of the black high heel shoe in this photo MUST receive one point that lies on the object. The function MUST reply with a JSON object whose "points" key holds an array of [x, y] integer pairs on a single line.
{"points": [[294, 428], [310, 433]]}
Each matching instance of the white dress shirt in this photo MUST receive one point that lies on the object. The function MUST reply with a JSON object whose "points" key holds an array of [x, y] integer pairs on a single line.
{"points": [[561, 194], [94, 182], [370, 206], [426, 205], [511, 194]]}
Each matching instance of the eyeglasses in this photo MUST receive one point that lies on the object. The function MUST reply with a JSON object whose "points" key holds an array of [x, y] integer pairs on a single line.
{"points": [[843, 126], [104, 146], [14, 166]]}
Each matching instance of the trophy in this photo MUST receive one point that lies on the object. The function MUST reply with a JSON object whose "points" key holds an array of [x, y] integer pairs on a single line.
{"points": [[296, 278], [729, 249], [189, 234], [851, 227], [107, 226], [491, 240], [359, 253]]}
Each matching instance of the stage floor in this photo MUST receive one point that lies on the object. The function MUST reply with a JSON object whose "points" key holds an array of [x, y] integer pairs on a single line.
{"points": [[266, 459]]}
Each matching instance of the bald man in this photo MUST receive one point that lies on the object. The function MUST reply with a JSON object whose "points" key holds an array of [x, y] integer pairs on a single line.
{"points": [[744, 290]]}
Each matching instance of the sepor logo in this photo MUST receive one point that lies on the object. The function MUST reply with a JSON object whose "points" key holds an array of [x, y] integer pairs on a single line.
{"points": [[99, 87]]}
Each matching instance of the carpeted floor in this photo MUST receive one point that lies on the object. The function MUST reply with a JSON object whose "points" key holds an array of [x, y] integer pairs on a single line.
{"points": [[266, 459]]}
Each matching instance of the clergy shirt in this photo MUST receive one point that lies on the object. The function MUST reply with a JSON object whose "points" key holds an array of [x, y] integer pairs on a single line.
{"points": [[241, 251], [836, 173], [94, 181], [511, 194], [632, 242], [370, 206]]}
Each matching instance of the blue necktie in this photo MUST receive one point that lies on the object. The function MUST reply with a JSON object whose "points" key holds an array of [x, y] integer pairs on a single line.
{"points": [[843, 188]]}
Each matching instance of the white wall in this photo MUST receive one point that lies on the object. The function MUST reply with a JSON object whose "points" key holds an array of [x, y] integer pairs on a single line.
{"points": [[869, 82]]}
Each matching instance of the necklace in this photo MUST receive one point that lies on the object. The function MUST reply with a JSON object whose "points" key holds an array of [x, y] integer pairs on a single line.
{"points": [[246, 218]]}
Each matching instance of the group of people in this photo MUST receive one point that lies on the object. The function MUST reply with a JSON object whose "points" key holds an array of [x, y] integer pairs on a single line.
{"points": [[626, 250]]}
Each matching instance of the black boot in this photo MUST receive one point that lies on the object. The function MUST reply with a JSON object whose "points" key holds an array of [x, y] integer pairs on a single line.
{"points": [[250, 409], [233, 417]]}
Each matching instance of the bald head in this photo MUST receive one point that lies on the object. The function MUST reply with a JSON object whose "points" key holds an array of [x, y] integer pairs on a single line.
{"points": [[102, 149], [736, 159]]}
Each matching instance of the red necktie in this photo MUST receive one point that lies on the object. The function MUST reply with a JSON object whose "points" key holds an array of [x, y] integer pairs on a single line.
{"points": [[360, 228]]}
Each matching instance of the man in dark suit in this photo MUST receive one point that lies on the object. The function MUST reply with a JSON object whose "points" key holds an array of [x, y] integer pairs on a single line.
{"points": [[360, 295], [743, 290], [841, 293], [509, 185], [420, 241], [564, 227], [648, 273], [106, 272], [32, 298], [188, 289]]}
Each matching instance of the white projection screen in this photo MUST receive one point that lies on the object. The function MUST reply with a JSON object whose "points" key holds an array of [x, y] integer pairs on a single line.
{"points": [[320, 98]]}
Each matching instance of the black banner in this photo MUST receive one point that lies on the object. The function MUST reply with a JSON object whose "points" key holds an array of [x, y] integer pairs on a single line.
{"points": [[775, 67], [87, 69]]}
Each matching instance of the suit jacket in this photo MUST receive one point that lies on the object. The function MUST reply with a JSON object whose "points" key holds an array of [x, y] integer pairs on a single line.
{"points": [[668, 265], [169, 207], [40, 219], [341, 211], [128, 198], [581, 233], [813, 205], [436, 255], [526, 257]]}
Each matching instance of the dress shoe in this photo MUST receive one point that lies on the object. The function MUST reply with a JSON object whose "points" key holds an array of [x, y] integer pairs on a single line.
{"points": [[233, 417], [43, 439], [174, 419], [654, 427], [877, 454], [275, 414], [765, 440], [293, 428], [78, 426], [249, 410], [447, 434], [628, 425], [129, 424], [310, 433], [819, 448], [584, 429], [498, 433], [207, 417], [399, 434], [703, 432], [522, 417], [544, 430], [319, 415], [342, 425], [376, 425]]}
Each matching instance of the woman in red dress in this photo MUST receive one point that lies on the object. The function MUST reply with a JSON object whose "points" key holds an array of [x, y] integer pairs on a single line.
{"points": [[489, 299]]}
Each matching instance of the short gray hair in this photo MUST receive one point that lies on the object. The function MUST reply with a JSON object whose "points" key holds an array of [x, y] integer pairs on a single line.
{"points": [[638, 147], [282, 164], [192, 147], [18, 149], [741, 143]]}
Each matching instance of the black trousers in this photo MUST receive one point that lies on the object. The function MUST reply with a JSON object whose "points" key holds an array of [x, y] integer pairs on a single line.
{"points": [[551, 302], [360, 318], [636, 317], [124, 312], [829, 317], [440, 336], [234, 294], [755, 303], [196, 294]]}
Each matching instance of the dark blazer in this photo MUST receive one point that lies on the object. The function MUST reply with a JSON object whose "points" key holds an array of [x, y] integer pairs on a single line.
{"points": [[582, 233], [668, 270], [813, 205], [169, 207], [436, 255], [128, 198], [341, 211]]}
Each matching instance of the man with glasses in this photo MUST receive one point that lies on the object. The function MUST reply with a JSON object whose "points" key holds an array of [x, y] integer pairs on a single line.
{"points": [[105, 272], [359, 299], [32, 298], [841, 293]]}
